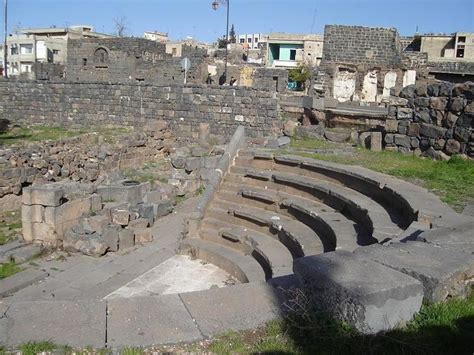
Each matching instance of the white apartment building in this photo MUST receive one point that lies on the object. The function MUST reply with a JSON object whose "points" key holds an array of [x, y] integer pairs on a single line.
{"points": [[47, 45], [252, 40], [156, 36]]}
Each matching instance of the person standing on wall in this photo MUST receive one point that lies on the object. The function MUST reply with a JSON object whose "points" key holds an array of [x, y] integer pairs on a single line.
{"points": [[222, 79], [209, 80]]}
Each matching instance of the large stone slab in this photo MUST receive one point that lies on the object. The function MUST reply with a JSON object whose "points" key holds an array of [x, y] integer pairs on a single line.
{"points": [[46, 195], [459, 238], [239, 307], [20, 280], [145, 321], [359, 291], [80, 323], [443, 272]]}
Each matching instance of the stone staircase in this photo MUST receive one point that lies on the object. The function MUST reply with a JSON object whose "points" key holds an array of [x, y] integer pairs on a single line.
{"points": [[270, 210]]}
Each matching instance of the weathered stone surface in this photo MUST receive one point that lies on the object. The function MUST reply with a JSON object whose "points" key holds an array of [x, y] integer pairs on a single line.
{"points": [[111, 236], [12, 284], [147, 321], [226, 312], [339, 137], [404, 113], [126, 239], [435, 154], [120, 217], [46, 195], [408, 92], [432, 131], [452, 146], [379, 300], [138, 223], [444, 273], [63, 322], [143, 235], [289, 128]]}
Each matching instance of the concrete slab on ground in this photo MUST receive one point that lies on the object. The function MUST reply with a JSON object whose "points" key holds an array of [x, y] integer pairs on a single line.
{"points": [[149, 321], [239, 307], [178, 274], [62, 322]]}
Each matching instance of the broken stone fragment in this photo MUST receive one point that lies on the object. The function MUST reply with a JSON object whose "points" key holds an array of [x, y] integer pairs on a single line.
{"points": [[120, 217]]}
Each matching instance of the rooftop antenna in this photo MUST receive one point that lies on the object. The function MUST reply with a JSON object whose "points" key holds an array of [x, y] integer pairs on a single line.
{"points": [[416, 31]]}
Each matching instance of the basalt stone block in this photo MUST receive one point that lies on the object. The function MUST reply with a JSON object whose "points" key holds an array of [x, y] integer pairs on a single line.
{"points": [[423, 115], [408, 92], [422, 101], [120, 217], [457, 104], [466, 120], [46, 195], [462, 134], [438, 103], [138, 223], [143, 235], [432, 131], [445, 89], [126, 239], [444, 273], [389, 138], [361, 292], [433, 89], [402, 140], [111, 236], [404, 113], [413, 130]]}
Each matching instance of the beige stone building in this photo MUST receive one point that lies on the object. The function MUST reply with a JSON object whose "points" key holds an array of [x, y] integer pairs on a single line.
{"points": [[44, 45], [156, 36], [454, 47]]}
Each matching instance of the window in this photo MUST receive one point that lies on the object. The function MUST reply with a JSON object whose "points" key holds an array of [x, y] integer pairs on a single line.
{"points": [[293, 54], [249, 40], [242, 40], [256, 40], [26, 48], [14, 50], [55, 51], [462, 39], [101, 55], [174, 51], [84, 61], [460, 52], [25, 67]]}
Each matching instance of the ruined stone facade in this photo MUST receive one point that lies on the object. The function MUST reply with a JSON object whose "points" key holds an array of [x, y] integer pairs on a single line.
{"points": [[128, 60]]}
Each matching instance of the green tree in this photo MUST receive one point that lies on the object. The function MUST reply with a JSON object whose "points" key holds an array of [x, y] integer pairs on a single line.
{"points": [[300, 74], [232, 37]]}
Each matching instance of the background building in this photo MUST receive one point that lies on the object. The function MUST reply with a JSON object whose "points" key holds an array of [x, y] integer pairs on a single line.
{"points": [[288, 50], [252, 41], [42, 45], [156, 36]]}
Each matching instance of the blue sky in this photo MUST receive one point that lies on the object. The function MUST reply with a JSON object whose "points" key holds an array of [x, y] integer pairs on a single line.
{"points": [[195, 18]]}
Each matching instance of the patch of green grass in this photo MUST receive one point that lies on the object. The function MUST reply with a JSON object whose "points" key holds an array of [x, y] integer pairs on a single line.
{"points": [[443, 328], [132, 351], [10, 225], [42, 133], [8, 269], [33, 348], [452, 180], [311, 143], [200, 190]]}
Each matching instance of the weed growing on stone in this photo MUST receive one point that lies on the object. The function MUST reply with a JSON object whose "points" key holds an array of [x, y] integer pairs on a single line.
{"points": [[8, 269], [10, 225]]}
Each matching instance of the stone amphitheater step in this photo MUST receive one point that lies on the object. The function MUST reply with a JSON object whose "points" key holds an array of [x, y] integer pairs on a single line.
{"points": [[272, 255], [331, 225], [243, 267], [373, 216], [296, 236]]}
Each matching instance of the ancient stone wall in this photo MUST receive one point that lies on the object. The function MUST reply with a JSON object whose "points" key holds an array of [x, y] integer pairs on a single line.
{"points": [[361, 45], [435, 119], [48, 71], [223, 107]]}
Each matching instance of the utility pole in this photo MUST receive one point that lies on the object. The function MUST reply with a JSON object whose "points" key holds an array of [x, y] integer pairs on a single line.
{"points": [[227, 39], [5, 47]]}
